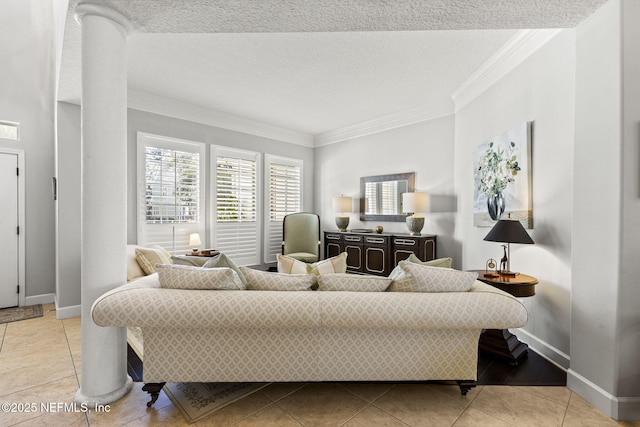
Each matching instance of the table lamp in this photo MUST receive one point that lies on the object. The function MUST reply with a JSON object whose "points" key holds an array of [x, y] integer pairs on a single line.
{"points": [[194, 241], [413, 203], [341, 205], [508, 231]]}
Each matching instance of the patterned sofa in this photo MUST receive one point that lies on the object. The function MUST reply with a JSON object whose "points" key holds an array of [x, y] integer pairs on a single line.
{"points": [[200, 335]]}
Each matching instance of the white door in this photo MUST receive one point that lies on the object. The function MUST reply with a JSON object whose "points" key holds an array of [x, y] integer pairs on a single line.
{"points": [[9, 230]]}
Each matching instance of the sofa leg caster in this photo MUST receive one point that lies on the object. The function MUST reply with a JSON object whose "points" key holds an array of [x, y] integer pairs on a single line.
{"points": [[465, 386], [154, 390]]}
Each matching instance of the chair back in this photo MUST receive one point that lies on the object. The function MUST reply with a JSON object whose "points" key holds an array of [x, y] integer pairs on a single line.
{"points": [[301, 233]]}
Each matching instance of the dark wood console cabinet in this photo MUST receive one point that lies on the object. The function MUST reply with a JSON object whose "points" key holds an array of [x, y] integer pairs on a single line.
{"points": [[372, 253]]}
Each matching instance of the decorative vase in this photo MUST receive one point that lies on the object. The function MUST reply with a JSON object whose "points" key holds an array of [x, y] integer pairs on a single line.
{"points": [[495, 205]]}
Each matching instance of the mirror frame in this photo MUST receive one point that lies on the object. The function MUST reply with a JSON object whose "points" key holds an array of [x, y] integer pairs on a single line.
{"points": [[411, 179]]}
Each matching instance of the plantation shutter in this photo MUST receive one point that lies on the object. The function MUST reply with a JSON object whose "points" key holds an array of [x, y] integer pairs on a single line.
{"points": [[284, 188], [170, 195], [236, 207]]}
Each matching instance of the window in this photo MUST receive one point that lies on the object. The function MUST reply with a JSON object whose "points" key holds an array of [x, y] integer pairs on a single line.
{"points": [[170, 191], [235, 192], [283, 177]]}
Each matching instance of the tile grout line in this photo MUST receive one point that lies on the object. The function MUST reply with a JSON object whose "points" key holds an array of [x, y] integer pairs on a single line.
{"points": [[466, 408], [566, 410], [4, 332], [75, 371]]}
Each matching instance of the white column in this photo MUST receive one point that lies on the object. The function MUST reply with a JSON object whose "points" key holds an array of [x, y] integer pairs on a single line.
{"points": [[103, 198]]}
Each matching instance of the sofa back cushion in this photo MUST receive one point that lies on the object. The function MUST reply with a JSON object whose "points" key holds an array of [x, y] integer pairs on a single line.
{"points": [[411, 277], [188, 277], [265, 281], [352, 283]]}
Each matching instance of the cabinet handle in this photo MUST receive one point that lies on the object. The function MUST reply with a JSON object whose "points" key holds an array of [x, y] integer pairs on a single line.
{"points": [[352, 239], [405, 242], [375, 240], [333, 237]]}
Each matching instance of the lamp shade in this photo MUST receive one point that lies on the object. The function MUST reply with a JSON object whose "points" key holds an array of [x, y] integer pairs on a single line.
{"points": [[508, 231], [342, 204], [414, 202], [194, 239]]}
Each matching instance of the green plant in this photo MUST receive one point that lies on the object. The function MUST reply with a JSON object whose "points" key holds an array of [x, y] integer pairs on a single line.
{"points": [[497, 168]]}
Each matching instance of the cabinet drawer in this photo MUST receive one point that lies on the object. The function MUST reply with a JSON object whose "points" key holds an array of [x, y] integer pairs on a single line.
{"points": [[353, 238], [333, 237], [376, 240]]}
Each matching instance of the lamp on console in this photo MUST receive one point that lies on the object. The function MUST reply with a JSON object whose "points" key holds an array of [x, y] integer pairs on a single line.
{"points": [[413, 203], [508, 231], [194, 241], [341, 205]]}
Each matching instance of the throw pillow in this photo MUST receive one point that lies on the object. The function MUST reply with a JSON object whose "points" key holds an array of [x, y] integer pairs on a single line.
{"points": [[265, 281], [223, 261], [410, 277], [440, 262], [288, 265], [336, 264], [187, 277], [133, 268], [352, 283], [148, 258]]}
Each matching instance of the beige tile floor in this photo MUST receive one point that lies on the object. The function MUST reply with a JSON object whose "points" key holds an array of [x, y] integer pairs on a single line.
{"points": [[40, 362]]}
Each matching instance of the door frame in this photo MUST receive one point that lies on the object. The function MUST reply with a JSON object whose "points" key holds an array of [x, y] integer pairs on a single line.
{"points": [[21, 222]]}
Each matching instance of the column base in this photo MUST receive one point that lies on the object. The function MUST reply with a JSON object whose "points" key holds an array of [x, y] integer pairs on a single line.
{"points": [[105, 399]]}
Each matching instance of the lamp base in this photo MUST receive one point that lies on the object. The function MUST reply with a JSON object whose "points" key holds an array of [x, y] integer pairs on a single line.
{"points": [[342, 222], [415, 224]]}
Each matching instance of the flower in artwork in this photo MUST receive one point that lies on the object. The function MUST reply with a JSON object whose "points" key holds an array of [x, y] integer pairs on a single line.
{"points": [[497, 167]]}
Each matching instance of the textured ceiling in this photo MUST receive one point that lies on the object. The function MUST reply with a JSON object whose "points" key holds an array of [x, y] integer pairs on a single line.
{"points": [[314, 66]]}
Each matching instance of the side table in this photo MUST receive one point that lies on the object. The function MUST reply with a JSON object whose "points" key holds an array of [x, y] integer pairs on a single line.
{"points": [[209, 253], [500, 342]]}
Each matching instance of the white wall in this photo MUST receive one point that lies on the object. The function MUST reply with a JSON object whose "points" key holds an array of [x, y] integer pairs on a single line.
{"points": [[541, 90], [425, 148], [605, 338], [140, 121], [27, 75], [68, 245]]}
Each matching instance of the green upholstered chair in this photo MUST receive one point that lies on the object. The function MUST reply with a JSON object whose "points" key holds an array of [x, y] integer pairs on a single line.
{"points": [[301, 236]]}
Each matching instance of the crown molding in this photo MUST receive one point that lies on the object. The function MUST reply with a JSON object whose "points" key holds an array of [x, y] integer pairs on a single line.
{"points": [[151, 103], [403, 118], [516, 50]]}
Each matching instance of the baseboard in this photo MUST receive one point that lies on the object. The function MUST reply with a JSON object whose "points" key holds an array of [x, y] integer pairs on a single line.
{"points": [[543, 348], [40, 299], [67, 312], [618, 408]]}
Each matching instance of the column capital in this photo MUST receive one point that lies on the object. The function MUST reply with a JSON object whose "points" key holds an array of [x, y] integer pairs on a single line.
{"points": [[84, 9]]}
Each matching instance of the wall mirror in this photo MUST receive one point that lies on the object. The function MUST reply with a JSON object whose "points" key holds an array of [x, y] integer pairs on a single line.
{"points": [[381, 196]]}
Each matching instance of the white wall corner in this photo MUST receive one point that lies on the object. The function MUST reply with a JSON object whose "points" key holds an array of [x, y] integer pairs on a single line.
{"points": [[151, 103], [618, 408], [384, 123], [40, 299], [514, 52], [67, 312]]}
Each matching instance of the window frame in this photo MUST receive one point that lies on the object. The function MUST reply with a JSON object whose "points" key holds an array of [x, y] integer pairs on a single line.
{"points": [[268, 224], [183, 229], [223, 151]]}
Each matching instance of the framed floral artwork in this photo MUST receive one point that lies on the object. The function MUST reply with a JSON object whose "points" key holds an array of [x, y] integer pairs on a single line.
{"points": [[502, 178]]}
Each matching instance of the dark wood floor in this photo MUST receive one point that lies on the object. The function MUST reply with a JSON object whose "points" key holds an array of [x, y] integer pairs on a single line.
{"points": [[534, 370]]}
